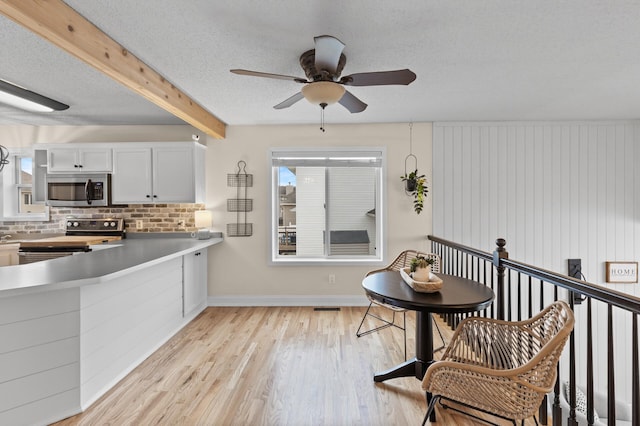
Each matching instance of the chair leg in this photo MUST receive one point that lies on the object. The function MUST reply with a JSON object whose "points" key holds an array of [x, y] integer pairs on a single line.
{"points": [[432, 406], [363, 318], [386, 323], [444, 342]]}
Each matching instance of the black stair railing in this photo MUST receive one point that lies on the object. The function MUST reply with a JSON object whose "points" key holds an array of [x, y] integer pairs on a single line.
{"points": [[522, 290]]}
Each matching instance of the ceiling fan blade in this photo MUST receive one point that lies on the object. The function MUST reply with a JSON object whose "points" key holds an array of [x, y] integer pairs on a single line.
{"points": [[327, 53], [290, 101], [352, 103], [269, 75], [381, 78]]}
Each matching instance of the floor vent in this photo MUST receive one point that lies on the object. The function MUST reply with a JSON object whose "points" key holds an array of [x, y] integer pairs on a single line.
{"points": [[326, 309]]}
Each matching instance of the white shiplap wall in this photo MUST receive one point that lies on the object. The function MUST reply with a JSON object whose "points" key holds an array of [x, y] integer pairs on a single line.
{"points": [[553, 190]]}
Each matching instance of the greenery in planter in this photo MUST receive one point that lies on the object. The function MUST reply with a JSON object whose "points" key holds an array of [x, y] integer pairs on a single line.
{"points": [[416, 185], [421, 262]]}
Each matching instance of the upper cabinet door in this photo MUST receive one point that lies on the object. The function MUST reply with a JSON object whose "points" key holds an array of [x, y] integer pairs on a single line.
{"points": [[96, 160], [173, 175], [80, 160], [62, 160], [131, 179]]}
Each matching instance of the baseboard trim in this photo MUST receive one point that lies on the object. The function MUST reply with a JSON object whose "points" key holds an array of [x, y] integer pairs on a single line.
{"points": [[287, 300]]}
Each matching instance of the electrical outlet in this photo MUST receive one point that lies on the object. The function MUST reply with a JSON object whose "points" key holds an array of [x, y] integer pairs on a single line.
{"points": [[139, 224], [332, 278]]}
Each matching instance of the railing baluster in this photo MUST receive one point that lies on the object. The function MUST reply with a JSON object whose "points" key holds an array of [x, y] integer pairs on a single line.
{"points": [[611, 380], [571, 421], [519, 296], [530, 307], [509, 299], [590, 409], [635, 394]]}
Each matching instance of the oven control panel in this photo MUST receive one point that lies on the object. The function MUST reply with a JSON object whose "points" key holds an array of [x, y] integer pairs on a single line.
{"points": [[102, 226]]}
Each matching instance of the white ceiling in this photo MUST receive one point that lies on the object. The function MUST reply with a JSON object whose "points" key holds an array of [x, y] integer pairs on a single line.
{"points": [[475, 60]]}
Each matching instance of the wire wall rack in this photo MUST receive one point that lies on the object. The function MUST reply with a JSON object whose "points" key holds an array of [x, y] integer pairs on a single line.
{"points": [[241, 180]]}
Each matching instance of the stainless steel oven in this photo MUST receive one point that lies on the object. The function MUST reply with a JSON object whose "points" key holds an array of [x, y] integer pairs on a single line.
{"points": [[78, 190], [80, 234]]}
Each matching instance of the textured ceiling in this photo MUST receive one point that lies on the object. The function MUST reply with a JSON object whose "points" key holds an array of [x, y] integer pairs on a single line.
{"points": [[475, 60]]}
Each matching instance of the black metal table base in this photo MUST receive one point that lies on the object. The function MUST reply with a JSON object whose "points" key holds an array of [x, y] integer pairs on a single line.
{"points": [[411, 368]]}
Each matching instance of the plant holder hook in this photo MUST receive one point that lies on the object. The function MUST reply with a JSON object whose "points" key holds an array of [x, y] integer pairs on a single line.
{"points": [[410, 184]]}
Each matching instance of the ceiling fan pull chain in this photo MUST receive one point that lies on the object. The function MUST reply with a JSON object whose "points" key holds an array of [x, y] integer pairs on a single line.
{"points": [[322, 105]]}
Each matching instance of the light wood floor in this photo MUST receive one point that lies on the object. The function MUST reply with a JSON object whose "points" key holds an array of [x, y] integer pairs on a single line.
{"points": [[269, 366]]}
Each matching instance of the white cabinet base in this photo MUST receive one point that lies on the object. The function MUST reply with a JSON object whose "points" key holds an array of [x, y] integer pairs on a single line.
{"points": [[63, 349]]}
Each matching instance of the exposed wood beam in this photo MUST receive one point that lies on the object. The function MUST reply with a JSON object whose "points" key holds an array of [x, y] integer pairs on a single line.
{"points": [[58, 23]]}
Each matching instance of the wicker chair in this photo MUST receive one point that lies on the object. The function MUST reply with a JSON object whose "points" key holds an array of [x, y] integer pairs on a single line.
{"points": [[500, 367], [402, 261]]}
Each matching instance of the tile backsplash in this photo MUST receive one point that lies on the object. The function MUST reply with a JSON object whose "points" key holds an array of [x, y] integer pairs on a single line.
{"points": [[154, 217]]}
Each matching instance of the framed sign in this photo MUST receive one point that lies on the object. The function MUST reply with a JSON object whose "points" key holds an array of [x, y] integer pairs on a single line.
{"points": [[622, 272]]}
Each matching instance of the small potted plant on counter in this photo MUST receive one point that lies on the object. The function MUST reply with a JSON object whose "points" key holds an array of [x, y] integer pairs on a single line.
{"points": [[416, 185], [421, 268]]}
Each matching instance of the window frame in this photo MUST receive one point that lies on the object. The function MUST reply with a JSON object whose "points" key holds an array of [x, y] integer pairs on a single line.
{"points": [[11, 185], [381, 214]]}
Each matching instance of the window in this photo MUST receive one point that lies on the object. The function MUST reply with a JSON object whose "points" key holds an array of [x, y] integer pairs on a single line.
{"points": [[24, 185], [327, 205], [17, 180]]}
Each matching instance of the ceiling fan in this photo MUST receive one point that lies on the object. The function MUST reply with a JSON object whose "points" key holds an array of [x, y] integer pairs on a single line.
{"points": [[323, 85]]}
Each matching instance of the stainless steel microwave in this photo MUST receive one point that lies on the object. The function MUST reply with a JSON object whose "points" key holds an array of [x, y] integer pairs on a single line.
{"points": [[78, 190]]}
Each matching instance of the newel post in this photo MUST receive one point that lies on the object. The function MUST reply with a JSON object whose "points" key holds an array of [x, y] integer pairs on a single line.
{"points": [[499, 254]]}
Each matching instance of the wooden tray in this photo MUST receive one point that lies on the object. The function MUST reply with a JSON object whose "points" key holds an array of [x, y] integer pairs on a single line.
{"points": [[434, 284]]}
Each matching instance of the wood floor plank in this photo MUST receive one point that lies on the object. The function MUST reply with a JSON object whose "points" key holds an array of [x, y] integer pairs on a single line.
{"points": [[270, 366]]}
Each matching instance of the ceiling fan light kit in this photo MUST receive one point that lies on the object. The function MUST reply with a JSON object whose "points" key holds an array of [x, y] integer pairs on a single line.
{"points": [[323, 85], [22, 98], [323, 92]]}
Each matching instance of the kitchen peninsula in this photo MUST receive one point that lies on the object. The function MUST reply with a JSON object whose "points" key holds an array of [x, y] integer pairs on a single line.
{"points": [[72, 327]]}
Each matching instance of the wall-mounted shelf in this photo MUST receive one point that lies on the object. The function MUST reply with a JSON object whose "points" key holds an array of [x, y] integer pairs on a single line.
{"points": [[241, 204], [241, 180]]}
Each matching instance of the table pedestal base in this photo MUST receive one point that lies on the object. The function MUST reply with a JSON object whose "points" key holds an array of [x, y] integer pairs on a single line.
{"points": [[411, 368]]}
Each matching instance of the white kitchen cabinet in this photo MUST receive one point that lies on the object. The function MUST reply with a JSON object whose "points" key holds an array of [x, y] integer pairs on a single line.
{"points": [[79, 160], [131, 181], [194, 283], [161, 173]]}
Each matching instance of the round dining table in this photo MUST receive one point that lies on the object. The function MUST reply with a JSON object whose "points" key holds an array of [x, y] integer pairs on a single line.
{"points": [[457, 295]]}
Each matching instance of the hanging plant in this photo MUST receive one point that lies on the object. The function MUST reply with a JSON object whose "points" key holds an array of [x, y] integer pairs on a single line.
{"points": [[416, 185]]}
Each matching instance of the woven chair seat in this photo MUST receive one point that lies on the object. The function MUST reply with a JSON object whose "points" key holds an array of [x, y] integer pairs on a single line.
{"points": [[500, 367]]}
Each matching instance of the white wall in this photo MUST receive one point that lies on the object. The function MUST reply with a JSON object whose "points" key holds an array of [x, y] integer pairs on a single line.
{"points": [[239, 272], [554, 191]]}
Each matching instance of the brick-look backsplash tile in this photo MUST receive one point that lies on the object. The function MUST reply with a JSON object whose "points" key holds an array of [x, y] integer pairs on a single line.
{"points": [[155, 218]]}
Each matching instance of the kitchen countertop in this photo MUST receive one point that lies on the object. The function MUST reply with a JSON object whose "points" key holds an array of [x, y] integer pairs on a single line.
{"points": [[98, 266]]}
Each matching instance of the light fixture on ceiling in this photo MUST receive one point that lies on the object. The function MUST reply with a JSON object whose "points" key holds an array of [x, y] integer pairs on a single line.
{"points": [[22, 98], [323, 93]]}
